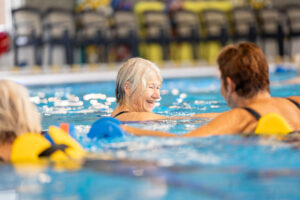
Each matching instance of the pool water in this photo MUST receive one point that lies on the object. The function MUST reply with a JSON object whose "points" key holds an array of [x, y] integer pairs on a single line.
{"points": [[218, 167]]}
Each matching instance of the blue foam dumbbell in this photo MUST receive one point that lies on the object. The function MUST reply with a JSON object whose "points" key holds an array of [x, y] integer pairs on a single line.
{"points": [[106, 127]]}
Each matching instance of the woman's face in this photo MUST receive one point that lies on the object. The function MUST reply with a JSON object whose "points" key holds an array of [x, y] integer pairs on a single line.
{"points": [[144, 100]]}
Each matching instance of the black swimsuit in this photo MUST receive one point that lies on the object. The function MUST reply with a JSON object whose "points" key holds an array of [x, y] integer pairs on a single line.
{"points": [[120, 113], [293, 101], [257, 116]]}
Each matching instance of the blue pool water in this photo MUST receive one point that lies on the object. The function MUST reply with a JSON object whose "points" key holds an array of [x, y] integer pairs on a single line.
{"points": [[219, 167]]}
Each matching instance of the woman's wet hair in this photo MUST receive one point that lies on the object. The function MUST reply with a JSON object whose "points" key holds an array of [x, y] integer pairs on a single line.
{"points": [[18, 114], [247, 67], [136, 71]]}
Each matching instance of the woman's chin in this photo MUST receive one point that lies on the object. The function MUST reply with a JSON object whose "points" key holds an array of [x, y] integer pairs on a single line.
{"points": [[149, 109]]}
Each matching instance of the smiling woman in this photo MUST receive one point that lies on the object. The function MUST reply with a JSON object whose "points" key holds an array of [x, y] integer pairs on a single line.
{"points": [[137, 88]]}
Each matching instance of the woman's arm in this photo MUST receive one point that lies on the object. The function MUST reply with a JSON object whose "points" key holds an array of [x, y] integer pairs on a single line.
{"points": [[206, 115], [148, 116], [143, 132], [230, 122]]}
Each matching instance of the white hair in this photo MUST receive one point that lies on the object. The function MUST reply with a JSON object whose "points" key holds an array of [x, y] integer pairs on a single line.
{"points": [[137, 71]]}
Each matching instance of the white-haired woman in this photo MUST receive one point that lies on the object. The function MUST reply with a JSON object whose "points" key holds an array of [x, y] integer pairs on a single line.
{"points": [[137, 88], [18, 115]]}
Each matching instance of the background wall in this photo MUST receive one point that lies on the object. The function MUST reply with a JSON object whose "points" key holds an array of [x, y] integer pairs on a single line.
{"points": [[44, 4]]}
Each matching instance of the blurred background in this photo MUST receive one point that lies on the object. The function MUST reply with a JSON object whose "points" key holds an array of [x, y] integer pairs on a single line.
{"points": [[71, 33]]}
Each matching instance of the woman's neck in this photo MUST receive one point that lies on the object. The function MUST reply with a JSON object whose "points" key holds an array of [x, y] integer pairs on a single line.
{"points": [[122, 108], [243, 102], [127, 107]]}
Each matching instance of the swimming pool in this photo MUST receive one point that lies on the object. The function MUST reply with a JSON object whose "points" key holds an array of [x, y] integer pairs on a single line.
{"points": [[219, 167]]}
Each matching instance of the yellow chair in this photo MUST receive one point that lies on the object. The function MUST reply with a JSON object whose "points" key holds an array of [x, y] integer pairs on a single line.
{"points": [[209, 50], [187, 37], [152, 19]]}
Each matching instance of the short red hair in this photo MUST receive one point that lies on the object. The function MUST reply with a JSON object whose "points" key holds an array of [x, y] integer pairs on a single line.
{"points": [[247, 67]]}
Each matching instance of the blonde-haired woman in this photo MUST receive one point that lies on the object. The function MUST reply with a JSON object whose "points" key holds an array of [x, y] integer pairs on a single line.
{"points": [[18, 115], [137, 89]]}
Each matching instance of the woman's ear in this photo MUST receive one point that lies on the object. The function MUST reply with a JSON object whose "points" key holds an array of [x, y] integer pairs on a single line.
{"points": [[127, 88], [230, 85]]}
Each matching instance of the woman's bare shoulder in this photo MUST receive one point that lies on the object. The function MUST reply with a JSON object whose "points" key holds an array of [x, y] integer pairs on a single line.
{"points": [[295, 98], [236, 115]]}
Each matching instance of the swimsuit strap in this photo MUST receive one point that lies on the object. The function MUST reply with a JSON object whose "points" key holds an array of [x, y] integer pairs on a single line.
{"points": [[52, 149], [120, 113], [252, 112], [294, 102]]}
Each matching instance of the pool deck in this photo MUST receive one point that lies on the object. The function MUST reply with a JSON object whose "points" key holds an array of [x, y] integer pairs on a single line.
{"points": [[97, 73]]}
